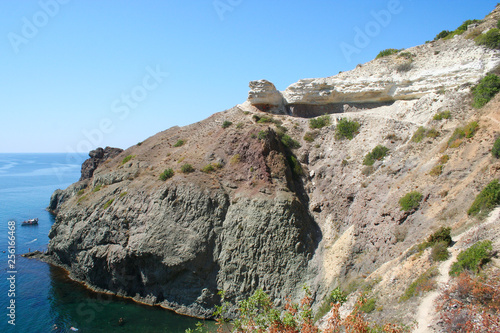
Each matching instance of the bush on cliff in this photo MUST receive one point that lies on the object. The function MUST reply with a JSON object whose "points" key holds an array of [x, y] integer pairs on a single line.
{"points": [[495, 151], [127, 158], [289, 142], [187, 168], [491, 39], [488, 87], [319, 122], [486, 201], [346, 129], [179, 143], [377, 154], [442, 34], [473, 258], [168, 173], [410, 201], [386, 52], [258, 313]]}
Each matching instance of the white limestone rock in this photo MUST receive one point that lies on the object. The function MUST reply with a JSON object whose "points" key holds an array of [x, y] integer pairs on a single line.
{"points": [[438, 66]]}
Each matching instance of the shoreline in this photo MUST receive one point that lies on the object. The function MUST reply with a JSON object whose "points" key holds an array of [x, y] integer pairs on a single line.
{"points": [[47, 258]]}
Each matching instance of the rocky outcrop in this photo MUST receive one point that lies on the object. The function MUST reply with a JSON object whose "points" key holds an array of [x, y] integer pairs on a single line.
{"points": [[264, 95], [177, 243], [97, 157], [60, 196], [408, 75]]}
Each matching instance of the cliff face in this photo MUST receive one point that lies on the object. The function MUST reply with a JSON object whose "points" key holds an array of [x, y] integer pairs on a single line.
{"points": [[262, 211], [178, 242], [411, 74]]}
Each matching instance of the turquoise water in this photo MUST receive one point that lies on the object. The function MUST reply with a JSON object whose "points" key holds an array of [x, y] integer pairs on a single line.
{"points": [[44, 296]]}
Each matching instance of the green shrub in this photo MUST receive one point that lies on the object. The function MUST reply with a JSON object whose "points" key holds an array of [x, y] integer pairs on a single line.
{"points": [[262, 135], [436, 170], [265, 120], [319, 122], [423, 132], [127, 158], [470, 129], [168, 173], [422, 284], [466, 24], [179, 143], [487, 200], [310, 136], [419, 134], [295, 166], [369, 305], [444, 159], [346, 129], [461, 29], [442, 34], [217, 165], [82, 198], [467, 131], [226, 124], [443, 234], [97, 188], [239, 125], [456, 138], [235, 159], [336, 296], [495, 151], [377, 154], [440, 251], [208, 168], [386, 52], [432, 133], [80, 192], [281, 130], [491, 39], [139, 143], [410, 201], [442, 115], [108, 203], [289, 142], [187, 168], [122, 194], [211, 167], [485, 90], [473, 258], [406, 55]]}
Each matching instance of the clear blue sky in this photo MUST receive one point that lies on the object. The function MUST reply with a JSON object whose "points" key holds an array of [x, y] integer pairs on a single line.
{"points": [[77, 74]]}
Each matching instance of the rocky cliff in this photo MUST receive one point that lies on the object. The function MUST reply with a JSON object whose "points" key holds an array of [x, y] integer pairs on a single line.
{"points": [[258, 199]]}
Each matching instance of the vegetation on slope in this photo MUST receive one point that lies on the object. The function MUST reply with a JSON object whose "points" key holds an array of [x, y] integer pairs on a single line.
{"points": [[488, 87]]}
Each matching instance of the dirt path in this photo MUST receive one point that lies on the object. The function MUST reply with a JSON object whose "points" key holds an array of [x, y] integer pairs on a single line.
{"points": [[426, 314]]}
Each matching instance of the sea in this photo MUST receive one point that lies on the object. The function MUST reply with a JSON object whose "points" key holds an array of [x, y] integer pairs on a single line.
{"points": [[38, 297]]}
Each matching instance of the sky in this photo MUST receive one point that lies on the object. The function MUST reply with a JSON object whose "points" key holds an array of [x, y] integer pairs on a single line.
{"points": [[76, 75]]}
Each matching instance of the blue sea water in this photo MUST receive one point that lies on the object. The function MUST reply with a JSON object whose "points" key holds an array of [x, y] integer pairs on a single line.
{"points": [[45, 298]]}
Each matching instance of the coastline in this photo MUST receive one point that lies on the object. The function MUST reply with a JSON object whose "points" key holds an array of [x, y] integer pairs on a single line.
{"points": [[47, 258]]}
